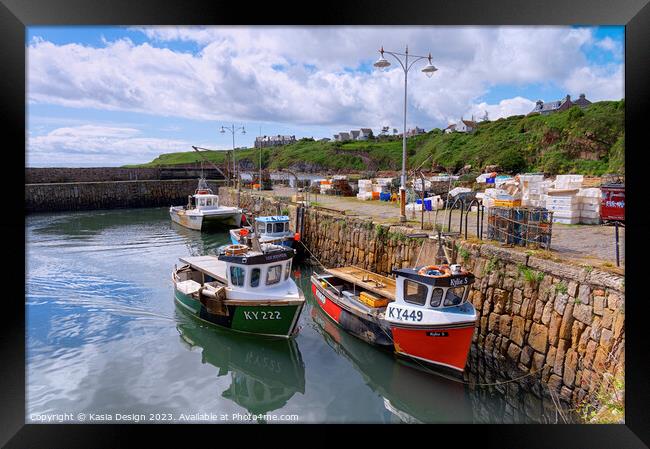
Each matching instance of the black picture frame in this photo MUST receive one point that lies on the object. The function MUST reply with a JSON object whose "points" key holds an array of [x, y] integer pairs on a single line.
{"points": [[15, 15]]}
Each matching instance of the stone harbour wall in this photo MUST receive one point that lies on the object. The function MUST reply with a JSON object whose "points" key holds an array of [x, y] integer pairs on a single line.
{"points": [[108, 195], [562, 322], [48, 175]]}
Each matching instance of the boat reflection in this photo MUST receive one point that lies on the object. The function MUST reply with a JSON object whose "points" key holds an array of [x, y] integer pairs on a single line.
{"points": [[265, 373], [410, 394]]}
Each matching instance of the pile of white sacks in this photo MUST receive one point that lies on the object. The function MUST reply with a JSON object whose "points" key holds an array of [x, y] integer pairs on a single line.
{"points": [[565, 197], [365, 189], [533, 190]]}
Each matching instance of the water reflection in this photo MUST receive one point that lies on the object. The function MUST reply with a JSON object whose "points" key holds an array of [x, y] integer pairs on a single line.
{"points": [[409, 394], [265, 373]]}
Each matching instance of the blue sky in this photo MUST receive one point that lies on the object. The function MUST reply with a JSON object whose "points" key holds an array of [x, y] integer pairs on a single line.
{"points": [[105, 96]]}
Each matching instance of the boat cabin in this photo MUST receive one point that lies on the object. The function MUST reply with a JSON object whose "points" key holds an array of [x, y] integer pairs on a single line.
{"points": [[203, 201], [275, 225], [432, 286], [251, 270]]}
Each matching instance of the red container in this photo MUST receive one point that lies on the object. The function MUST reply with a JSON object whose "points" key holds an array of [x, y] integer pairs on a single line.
{"points": [[612, 202]]}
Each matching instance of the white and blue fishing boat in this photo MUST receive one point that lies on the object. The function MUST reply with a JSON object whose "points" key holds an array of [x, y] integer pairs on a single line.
{"points": [[203, 211], [270, 229]]}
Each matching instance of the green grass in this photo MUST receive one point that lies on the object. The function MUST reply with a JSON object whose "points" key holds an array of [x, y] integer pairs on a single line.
{"points": [[589, 141], [531, 276], [561, 287]]}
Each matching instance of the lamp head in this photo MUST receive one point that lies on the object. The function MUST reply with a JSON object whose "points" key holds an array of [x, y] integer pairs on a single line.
{"points": [[382, 62], [429, 69]]}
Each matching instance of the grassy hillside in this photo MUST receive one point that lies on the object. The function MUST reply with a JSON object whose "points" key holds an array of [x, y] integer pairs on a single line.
{"points": [[589, 141]]}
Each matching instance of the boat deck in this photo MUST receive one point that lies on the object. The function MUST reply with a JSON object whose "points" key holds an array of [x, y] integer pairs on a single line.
{"points": [[209, 265], [373, 282]]}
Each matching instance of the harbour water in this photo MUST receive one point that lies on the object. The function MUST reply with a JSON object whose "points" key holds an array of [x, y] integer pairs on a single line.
{"points": [[106, 343]]}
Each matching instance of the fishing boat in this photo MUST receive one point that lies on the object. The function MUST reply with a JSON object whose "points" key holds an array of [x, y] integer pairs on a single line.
{"points": [[273, 228], [422, 314], [246, 288], [203, 210]]}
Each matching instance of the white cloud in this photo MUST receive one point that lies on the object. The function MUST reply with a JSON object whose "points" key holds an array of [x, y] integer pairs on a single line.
{"points": [[598, 83], [610, 45], [505, 108], [232, 77], [92, 145]]}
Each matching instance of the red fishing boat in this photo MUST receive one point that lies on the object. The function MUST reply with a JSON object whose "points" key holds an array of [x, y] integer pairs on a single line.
{"points": [[422, 313]]}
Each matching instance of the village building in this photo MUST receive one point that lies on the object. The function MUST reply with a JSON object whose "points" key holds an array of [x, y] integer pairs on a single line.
{"points": [[559, 105], [463, 126], [271, 141], [341, 137], [365, 134], [354, 134]]}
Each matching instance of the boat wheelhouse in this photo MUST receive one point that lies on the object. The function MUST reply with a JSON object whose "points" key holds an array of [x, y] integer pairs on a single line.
{"points": [[245, 288], [275, 228], [203, 211], [423, 313]]}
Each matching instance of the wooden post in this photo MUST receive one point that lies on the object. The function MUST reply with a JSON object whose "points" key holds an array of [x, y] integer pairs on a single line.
{"points": [[617, 254]]}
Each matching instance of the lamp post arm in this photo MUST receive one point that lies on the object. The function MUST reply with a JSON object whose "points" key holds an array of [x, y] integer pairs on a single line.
{"points": [[398, 59], [418, 58]]}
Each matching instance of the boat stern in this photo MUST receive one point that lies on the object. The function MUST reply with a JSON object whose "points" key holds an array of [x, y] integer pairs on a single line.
{"points": [[440, 338]]}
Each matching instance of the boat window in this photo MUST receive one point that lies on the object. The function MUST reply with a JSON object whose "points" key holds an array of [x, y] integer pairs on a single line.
{"points": [[269, 227], [260, 228], [415, 293], [286, 227], [279, 227], [287, 270], [436, 297], [237, 275], [255, 277], [454, 296], [274, 274]]}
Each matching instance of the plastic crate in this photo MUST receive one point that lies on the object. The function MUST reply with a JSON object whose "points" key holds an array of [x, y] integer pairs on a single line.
{"points": [[507, 203]]}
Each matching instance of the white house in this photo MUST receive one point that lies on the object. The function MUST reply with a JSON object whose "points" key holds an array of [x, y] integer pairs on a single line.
{"points": [[354, 134], [463, 126], [450, 129], [365, 134]]}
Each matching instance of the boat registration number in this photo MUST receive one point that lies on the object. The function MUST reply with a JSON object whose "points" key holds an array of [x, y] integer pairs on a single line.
{"points": [[273, 315], [320, 296], [404, 314]]}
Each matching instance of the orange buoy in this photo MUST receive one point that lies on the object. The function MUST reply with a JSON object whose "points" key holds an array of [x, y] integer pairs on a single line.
{"points": [[444, 271], [243, 232], [296, 236]]}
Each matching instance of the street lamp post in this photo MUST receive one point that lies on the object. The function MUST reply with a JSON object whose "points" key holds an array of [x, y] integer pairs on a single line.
{"points": [[234, 130], [428, 70]]}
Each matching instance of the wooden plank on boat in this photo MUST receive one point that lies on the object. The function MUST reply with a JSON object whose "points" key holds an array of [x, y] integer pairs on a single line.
{"points": [[373, 282], [209, 265]]}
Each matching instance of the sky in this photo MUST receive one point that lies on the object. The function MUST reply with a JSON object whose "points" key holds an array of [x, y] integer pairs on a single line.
{"points": [[109, 96]]}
